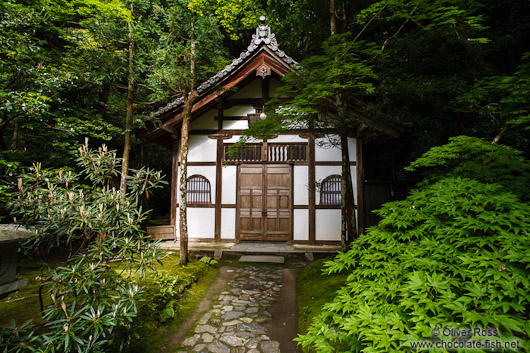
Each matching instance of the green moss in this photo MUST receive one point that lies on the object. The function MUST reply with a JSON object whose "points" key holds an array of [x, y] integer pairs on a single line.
{"points": [[24, 305], [152, 334], [314, 290]]}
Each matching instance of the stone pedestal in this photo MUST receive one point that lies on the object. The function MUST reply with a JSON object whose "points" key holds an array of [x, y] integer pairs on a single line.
{"points": [[10, 236]]}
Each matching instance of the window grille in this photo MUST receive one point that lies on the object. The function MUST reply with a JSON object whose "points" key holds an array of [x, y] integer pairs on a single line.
{"points": [[330, 190], [276, 152], [249, 153], [198, 190]]}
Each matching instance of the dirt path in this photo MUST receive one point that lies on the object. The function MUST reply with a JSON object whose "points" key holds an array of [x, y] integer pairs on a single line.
{"points": [[249, 310], [283, 326]]}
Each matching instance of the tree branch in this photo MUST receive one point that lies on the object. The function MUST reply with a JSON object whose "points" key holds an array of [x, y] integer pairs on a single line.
{"points": [[500, 134]]}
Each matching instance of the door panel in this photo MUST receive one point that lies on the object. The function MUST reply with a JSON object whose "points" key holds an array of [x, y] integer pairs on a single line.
{"points": [[264, 207], [251, 202]]}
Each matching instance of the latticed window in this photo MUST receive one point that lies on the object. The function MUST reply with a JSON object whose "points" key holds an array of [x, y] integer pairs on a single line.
{"points": [[330, 190], [198, 190]]}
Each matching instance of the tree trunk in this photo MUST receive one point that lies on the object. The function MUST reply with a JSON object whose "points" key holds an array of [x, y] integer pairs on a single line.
{"points": [[351, 219], [183, 220], [128, 117], [14, 140], [186, 116], [348, 219], [332, 17]]}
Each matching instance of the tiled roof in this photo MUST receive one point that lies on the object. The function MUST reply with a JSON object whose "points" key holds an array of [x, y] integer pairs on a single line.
{"points": [[263, 35]]}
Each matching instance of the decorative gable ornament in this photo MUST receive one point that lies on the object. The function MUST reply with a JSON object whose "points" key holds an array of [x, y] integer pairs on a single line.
{"points": [[263, 36]]}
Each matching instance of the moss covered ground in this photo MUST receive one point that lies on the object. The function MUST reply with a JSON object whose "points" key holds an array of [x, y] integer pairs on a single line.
{"points": [[183, 286], [314, 290]]}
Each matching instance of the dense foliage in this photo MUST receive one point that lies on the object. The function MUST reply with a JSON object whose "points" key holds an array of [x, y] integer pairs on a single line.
{"points": [[92, 302], [453, 253]]}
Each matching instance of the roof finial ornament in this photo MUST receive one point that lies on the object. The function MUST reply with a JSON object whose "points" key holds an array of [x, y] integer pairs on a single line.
{"points": [[262, 19]]}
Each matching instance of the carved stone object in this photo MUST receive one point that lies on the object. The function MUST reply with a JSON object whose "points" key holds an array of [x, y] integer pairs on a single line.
{"points": [[10, 236]]}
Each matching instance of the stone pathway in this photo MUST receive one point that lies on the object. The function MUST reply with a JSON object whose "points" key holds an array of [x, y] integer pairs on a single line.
{"points": [[234, 324]]}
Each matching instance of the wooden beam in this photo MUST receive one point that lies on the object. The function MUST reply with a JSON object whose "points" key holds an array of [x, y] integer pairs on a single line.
{"points": [[311, 189], [171, 130]]}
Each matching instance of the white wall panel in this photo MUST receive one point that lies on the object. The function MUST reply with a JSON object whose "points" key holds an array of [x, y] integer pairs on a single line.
{"points": [[353, 171], [201, 222], [328, 152], [273, 85], [202, 149], [235, 124], [301, 225], [287, 138], [233, 139], [229, 185], [252, 90], [205, 122], [300, 185], [327, 225], [352, 148], [228, 223], [237, 111]]}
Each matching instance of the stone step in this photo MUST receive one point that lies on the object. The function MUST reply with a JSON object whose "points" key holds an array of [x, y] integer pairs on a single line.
{"points": [[263, 259]]}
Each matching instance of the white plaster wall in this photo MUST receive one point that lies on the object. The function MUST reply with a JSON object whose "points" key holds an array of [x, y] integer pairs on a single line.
{"points": [[353, 171], [240, 110], [252, 90], [235, 124], [201, 222], [352, 148], [327, 153], [228, 223], [202, 149], [206, 171], [273, 85], [300, 192], [233, 139], [205, 121], [287, 138], [322, 172], [327, 225], [301, 225], [229, 185]]}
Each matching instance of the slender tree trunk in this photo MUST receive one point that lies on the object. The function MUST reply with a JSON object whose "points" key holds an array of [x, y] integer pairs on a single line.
{"points": [[128, 117], [104, 100], [183, 207], [351, 218], [332, 17], [186, 116], [14, 140]]}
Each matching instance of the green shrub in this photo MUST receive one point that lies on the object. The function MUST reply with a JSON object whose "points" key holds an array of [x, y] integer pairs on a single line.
{"points": [[478, 159], [455, 253], [93, 303]]}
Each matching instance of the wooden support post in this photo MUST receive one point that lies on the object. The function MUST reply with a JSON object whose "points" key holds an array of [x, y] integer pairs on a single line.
{"points": [[311, 189], [174, 184]]}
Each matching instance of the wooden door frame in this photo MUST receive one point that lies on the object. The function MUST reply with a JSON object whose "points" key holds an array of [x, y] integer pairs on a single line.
{"points": [[264, 200]]}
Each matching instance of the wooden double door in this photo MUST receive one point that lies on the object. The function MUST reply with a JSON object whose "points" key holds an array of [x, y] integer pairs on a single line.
{"points": [[264, 205]]}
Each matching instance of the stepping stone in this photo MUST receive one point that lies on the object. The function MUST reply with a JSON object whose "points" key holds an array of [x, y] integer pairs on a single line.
{"points": [[263, 259]]}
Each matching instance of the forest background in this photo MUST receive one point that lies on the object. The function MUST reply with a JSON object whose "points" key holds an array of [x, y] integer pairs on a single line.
{"points": [[97, 69]]}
